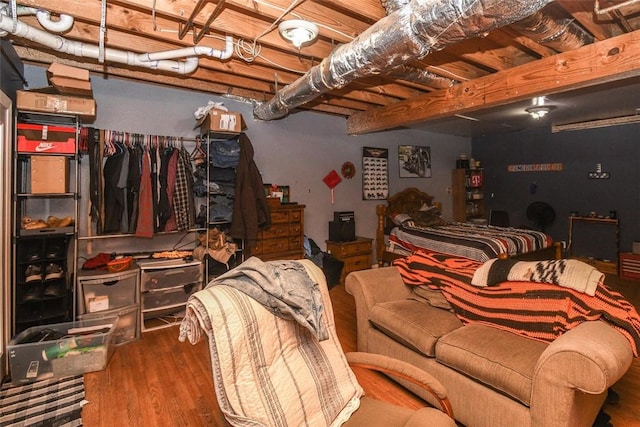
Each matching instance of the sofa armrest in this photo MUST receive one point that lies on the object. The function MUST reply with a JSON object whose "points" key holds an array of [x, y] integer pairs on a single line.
{"points": [[573, 374], [371, 287]]}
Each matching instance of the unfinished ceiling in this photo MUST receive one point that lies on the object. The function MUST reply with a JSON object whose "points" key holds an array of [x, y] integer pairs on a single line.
{"points": [[584, 55]]}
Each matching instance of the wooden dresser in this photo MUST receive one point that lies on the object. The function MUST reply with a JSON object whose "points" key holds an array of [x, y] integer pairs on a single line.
{"points": [[356, 254], [284, 239]]}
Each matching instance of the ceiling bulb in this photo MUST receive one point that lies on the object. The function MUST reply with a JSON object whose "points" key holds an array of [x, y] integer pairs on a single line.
{"points": [[298, 31], [539, 109]]}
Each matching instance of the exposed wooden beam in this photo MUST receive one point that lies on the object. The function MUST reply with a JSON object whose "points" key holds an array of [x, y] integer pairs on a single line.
{"points": [[609, 60]]}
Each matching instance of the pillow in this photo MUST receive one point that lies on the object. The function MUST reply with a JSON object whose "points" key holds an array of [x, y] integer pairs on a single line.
{"points": [[569, 273], [429, 218], [400, 218]]}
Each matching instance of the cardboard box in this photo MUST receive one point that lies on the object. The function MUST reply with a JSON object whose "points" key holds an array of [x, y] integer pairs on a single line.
{"points": [[69, 86], [60, 350], [62, 70], [49, 174], [49, 100], [220, 121], [43, 139]]}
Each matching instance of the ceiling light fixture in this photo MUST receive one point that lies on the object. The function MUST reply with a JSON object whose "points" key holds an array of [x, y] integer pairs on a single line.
{"points": [[298, 31], [539, 109]]}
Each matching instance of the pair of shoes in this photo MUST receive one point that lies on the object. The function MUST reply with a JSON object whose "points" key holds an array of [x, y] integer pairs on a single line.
{"points": [[54, 221], [55, 249], [33, 253], [53, 271], [29, 223], [33, 273], [54, 290], [32, 295]]}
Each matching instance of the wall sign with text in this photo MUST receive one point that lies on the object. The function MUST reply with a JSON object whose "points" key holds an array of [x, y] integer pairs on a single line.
{"points": [[536, 167]]}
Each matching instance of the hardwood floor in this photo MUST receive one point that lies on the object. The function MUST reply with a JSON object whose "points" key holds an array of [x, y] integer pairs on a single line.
{"points": [[159, 381]]}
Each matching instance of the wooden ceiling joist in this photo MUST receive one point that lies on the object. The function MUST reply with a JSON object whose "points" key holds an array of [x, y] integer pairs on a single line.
{"points": [[609, 60]]}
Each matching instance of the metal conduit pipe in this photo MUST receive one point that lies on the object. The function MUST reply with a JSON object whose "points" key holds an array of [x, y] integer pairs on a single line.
{"points": [[561, 35], [419, 75], [407, 34], [410, 73], [157, 60]]}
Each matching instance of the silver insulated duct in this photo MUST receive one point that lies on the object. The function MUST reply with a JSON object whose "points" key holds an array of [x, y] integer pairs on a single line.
{"points": [[413, 30]]}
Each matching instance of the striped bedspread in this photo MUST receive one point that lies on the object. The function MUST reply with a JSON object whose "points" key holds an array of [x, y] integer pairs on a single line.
{"points": [[473, 241], [537, 310]]}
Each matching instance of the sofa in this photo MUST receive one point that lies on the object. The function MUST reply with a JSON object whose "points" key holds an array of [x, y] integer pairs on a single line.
{"points": [[494, 377]]}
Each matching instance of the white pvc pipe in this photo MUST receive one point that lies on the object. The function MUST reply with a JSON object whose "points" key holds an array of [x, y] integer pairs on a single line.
{"points": [[60, 26], [157, 60]]}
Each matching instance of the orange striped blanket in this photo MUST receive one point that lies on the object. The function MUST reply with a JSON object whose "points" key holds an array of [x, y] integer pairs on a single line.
{"points": [[536, 310]]}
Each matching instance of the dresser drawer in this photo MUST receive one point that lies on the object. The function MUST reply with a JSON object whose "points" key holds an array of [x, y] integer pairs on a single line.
{"points": [[276, 230], [275, 245], [295, 229], [356, 263], [168, 297], [347, 249], [278, 217], [169, 276], [296, 215], [295, 242]]}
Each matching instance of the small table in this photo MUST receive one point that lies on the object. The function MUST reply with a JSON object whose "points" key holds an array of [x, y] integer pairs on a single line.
{"points": [[356, 254]]}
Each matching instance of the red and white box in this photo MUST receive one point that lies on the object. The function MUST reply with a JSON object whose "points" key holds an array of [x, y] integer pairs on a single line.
{"points": [[45, 139]]}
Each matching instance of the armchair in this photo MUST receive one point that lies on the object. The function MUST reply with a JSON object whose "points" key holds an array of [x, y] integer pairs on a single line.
{"points": [[272, 371]]}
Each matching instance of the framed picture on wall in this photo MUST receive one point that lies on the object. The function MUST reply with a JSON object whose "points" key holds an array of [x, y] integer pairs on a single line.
{"points": [[414, 161], [375, 173]]}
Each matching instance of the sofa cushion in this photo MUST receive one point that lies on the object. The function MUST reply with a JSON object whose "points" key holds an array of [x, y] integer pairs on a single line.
{"points": [[500, 359], [413, 323]]}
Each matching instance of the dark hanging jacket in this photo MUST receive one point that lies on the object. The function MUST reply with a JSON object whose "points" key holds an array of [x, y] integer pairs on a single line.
{"points": [[250, 208]]}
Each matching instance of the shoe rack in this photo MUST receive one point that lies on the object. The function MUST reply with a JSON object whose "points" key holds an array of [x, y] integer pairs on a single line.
{"points": [[45, 191]]}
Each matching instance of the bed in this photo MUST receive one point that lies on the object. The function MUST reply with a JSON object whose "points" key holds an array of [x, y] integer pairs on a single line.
{"points": [[411, 221]]}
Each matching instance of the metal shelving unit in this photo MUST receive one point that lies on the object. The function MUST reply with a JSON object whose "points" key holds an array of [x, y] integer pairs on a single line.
{"points": [[44, 258]]}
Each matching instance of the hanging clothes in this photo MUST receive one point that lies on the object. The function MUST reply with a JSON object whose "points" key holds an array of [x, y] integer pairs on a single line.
{"points": [[172, 168], [155, 195], [95, 177], [250, 209], [133, 183], [145, 223], [164, 208], [183, 198], [113, 194]]}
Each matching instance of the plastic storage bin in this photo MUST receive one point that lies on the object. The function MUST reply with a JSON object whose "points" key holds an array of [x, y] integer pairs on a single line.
{"points": [[61, 350], [108, 291], [127, 329]]}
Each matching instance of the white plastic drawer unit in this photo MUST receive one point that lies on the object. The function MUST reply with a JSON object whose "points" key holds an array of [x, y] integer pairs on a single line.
{"points": [[169, 283], [107, 291], [169, 274]]}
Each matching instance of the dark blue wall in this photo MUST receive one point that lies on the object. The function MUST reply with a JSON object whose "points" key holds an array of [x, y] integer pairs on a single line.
{"points": [[616, 148]]}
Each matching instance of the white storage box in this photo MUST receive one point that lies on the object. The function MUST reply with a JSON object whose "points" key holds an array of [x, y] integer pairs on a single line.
{"points": [[127, 328], [107, 291], [61, 350]]}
